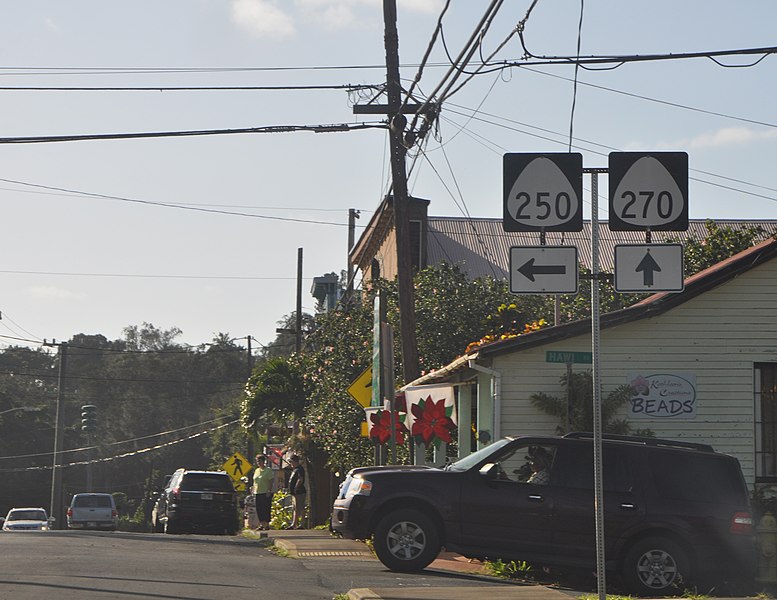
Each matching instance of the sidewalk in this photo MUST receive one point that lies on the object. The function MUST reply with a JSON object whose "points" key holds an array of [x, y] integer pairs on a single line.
{"points": [[317, 543]]}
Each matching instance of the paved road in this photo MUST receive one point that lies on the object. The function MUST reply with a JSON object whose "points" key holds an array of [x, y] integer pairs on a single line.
{"points": [[82, 565]]}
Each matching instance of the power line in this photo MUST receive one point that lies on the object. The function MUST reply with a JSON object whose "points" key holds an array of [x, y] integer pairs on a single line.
{"points": [[189, 207], [203, 88], [150, 276], [332, 128], [125, 454]]}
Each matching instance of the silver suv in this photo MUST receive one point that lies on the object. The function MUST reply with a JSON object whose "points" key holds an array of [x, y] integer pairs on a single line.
{"points": [[93, 511]]}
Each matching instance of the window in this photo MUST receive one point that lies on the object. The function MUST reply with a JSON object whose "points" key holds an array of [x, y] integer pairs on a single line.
{"points": [[576, 467], [696, 477], [766, 421]]}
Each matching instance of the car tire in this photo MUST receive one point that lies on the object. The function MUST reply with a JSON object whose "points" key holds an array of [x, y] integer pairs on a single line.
{"points": [[406, 540], [656, 566]]}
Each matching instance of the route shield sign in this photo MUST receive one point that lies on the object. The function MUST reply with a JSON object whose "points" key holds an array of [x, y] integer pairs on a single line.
{"points": [[543, 269], [649, 268], [648, 190], [543, 192]]}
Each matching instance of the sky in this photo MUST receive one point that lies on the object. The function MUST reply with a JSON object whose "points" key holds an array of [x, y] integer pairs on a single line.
{"points": [[202, 233]]}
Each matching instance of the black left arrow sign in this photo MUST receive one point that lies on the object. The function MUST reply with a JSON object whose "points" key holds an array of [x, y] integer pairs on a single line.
{"points": [[529, 269], [648, 266]]}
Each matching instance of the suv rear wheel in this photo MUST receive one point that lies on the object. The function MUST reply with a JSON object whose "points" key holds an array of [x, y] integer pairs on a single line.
{"points": [[656, 566], [406, 540]]}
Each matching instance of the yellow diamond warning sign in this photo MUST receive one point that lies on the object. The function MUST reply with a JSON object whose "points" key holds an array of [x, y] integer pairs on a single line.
{"points": [[361, 389], [237, 466]]}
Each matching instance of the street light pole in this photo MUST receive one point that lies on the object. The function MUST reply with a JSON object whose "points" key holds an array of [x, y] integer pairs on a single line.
{"points": [[55, 510]]}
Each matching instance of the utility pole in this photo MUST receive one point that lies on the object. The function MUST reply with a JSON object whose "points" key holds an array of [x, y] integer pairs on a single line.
{"points": [[353, 214], [55, 509], [397, 123], [298, 328]]}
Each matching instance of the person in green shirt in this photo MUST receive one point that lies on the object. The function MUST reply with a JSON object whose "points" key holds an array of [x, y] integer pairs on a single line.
{"points": [[262, 490]]}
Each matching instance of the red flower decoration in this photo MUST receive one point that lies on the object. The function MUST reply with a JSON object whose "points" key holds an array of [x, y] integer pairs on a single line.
{"points": [[381, 426], [431, 421]]}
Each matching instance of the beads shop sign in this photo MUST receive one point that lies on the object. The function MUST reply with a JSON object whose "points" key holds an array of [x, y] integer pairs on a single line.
{"points": [[662, 396]]}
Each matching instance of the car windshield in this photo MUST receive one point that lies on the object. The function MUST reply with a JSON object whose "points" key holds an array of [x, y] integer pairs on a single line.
{"points": [[473, 459], [27, 515]]}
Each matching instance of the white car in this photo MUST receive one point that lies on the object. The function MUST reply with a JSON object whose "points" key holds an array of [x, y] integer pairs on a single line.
{"points": [[27, 519]]}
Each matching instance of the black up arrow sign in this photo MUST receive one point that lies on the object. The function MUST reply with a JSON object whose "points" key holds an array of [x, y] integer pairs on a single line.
{"points": [[529, 270], [648, 266]]}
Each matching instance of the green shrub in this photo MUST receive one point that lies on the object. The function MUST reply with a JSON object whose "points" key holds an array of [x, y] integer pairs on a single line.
{"points": [[510, 570]]}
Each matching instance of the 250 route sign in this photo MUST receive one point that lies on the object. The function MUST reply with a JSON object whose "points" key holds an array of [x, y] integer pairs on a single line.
{"points": [[543, 192], [648, 190]]}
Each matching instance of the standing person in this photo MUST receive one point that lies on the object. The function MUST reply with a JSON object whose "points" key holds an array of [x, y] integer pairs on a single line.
{"points": [[297, 491], [263, 480]]}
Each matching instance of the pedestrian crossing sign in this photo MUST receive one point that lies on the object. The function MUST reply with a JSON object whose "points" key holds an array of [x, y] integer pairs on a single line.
{"points": [[237, 466]]}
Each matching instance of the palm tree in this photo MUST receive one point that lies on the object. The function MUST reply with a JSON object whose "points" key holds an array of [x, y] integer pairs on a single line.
{"points": [[577, 411]]}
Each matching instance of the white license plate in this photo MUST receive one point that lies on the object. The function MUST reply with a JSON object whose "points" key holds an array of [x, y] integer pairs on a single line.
{"points": [[91, 524], [206, 496]]}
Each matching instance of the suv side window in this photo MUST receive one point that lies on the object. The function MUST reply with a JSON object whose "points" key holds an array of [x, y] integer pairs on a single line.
{"points": [[527, 464], [697, 477], [575, 467]]}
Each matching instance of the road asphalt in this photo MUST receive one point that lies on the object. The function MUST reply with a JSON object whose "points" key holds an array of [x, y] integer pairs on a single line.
{"points": [[316, 543]]}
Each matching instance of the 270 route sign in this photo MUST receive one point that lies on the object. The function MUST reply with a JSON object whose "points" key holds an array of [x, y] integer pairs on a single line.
{"points": [[648, 190], [543, 192]]}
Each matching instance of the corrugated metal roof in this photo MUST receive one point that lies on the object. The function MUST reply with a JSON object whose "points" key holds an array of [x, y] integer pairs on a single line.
{"points": [[480, 246]]}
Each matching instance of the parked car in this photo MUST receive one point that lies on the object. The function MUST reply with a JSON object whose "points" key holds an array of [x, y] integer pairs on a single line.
{"points": [[674, 513], [93, 511], [27, 519], [198, 501]]}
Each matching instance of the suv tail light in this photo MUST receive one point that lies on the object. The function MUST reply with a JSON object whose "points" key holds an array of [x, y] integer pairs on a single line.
{"points": [[175, 493], [742, 522], [114, 513], [69, 512]]}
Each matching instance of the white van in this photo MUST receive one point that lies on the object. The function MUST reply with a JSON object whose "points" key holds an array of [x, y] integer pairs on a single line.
{"points": [[92, 511]]}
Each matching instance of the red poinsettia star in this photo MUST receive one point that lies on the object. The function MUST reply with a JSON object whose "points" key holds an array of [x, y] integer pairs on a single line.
{"points": [[381, 426], [431, 421]]}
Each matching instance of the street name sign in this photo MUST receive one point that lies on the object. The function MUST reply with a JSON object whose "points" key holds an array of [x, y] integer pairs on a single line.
{"points": [[649, 268], [543, 192], [648, 190], [560, 356], [543, 270]]}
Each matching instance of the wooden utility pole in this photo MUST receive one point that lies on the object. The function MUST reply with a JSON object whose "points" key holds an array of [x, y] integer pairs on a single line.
{"points": [[397, 123]]}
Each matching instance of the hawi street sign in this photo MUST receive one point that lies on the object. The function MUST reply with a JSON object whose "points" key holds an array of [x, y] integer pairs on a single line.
{"points": [[560, 356]]}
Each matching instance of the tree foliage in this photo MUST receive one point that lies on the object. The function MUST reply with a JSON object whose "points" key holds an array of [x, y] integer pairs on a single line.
{"points": [[155, 400]]}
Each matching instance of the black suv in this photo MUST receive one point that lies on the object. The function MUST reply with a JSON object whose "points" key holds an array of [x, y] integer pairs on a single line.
{"points": [[197, 501], [675, 513]]}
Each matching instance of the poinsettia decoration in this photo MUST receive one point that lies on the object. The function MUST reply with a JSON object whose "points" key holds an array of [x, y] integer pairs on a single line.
{"points": [[381, 426], [433, 421]]}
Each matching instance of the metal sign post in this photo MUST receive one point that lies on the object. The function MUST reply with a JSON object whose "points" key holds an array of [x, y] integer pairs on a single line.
{"points": [[597, 391]]}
